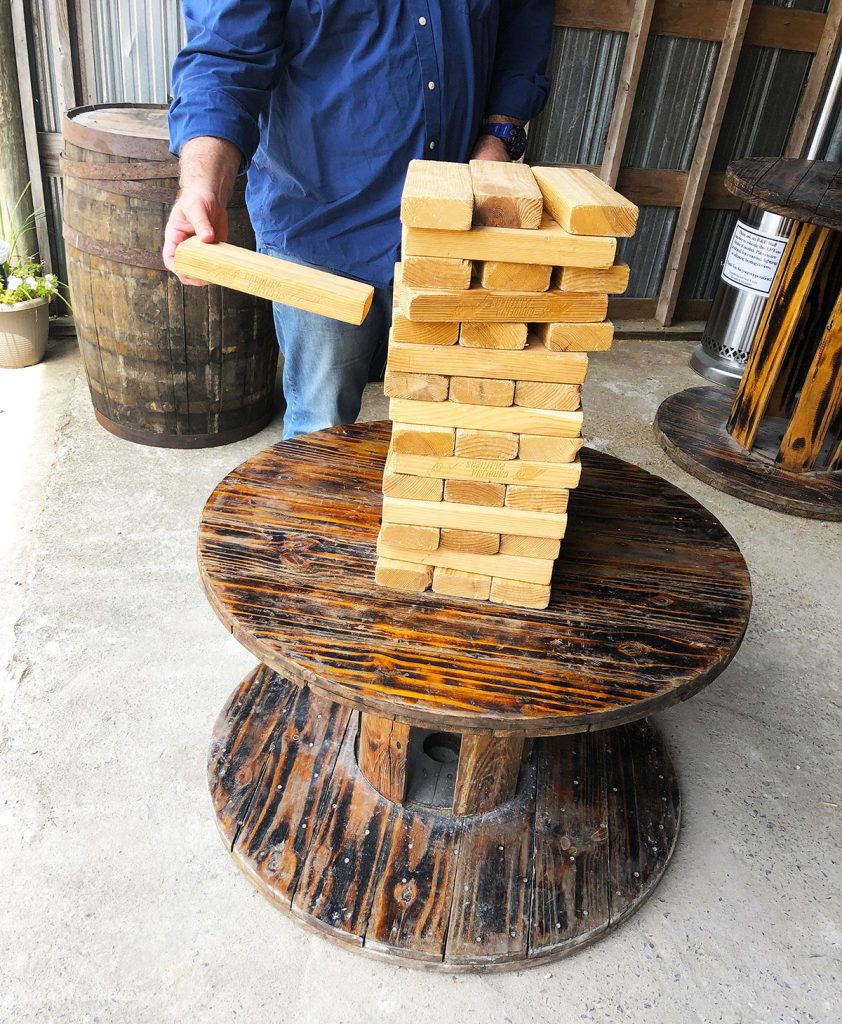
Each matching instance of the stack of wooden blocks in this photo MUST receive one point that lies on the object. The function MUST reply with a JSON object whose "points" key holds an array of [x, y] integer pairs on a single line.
{"points": [[502, 291]]}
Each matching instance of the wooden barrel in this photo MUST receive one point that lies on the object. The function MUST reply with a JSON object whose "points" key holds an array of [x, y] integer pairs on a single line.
{"points": [[167, 365]]}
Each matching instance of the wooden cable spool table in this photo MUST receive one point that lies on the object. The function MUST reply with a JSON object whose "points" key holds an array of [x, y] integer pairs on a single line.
{"points": [[779, 442], [500, 799]]}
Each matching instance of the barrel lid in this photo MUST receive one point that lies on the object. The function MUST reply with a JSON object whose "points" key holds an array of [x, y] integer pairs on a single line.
{"points": [[137, 130]]}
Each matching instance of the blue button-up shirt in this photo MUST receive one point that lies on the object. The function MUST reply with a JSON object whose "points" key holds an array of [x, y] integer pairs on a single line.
{"points": [[329, 100]]}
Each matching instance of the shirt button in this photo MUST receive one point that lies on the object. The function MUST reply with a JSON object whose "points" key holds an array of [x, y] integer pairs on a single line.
{"points": [[422, 21], [432, 145], [431, 86]]}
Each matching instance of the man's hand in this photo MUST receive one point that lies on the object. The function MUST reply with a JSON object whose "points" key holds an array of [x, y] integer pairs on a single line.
{"points": [[208, 169]]}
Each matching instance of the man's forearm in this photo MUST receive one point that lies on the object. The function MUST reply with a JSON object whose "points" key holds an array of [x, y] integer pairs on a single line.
{"points": [[209, 165]]}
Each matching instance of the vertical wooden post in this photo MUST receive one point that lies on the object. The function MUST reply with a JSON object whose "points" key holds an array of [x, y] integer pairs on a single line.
{"points": [[487, 773], [817, 80], [382, 754]]}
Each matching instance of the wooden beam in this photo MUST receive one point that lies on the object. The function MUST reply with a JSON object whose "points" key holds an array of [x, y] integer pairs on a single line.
{"points": [[82, 50], [820, 71], [720, 90], [662, 186], [626, 89], [58, 21]]}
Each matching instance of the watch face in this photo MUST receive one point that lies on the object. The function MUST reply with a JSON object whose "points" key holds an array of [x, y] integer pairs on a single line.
{"points": [[516, 142]]}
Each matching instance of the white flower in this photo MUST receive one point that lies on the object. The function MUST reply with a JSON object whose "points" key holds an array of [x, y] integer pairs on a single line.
{"points": [[31, 282], [4, 251], [51, 279], [13, 282]]}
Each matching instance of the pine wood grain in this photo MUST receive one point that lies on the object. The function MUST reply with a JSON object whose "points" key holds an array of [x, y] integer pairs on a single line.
{"points": [[506, 195], [398, 485], [583, 204], [437, 272], [472, 541], [536, 499], [475, 492], [487, 772], [496, 445], [479, 304], [418, 387], [381, 754], [437, 195], [614, 280], [596, 337], [417, 439], [456, 583], [508, 471], [546, 423], [519, 594], [422, 333], [515, 277], [536, 362], [516, 568], [407, 575], [413, 538], [529, 547], [505, 336], [481, 391], [561, 450], [537, 395], [414, 512]]}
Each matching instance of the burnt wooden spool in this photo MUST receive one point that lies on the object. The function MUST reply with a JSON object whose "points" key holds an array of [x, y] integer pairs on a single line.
{"points": [[167, 365], [498, 801], [779, 443]]}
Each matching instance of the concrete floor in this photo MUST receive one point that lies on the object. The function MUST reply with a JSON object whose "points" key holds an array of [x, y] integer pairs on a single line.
{"points": [[118, 902]]}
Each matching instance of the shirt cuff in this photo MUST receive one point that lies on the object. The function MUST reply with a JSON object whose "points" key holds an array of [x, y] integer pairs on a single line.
{"points": [[518, 96], [218, 123]]}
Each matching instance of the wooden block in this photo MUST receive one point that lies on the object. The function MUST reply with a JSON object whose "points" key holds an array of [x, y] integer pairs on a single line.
{"points": [[479, 391], [480, 305], [475, 492], [511, 471], [413, 538], [575, 337], [437, 272], [583, 204], [614, 280], [422, 333], [540, 448], [514, 420], [534, 395], [396, 485], [515, 277], [457, 583], [527, 570], [535, 362], [486, 775], [268, 277], [520, 595], [506, 195], [419, 387], [417, 439], [507, 336], [535, 499], [451, 516], [382, 753], [471, 541], [485, 444], [549, 244], [399, 575], [437, 195], [529, 547]]}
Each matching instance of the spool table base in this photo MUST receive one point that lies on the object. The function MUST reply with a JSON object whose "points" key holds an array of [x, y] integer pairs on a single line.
{"points": [[584, 842]]}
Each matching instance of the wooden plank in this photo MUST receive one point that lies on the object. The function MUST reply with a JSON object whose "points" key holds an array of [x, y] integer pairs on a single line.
{"points": [[422, 333], [396, 485], [279, 280], [515, 420], [540, 448], [511, 471], [529, 547], [817, 80], [437, 195], [506, 195], [456, 583], [638, 36], [518, 568], [475, 492], [487, 773], [720, 90], [612, 281], [575, 337], [537, 499], [471, 540], [61, 57], [381, 755], [519, 594], [535, 395], [485, 444], [508, 336], [535, 362], [437, 272], [413, 538], [416, 439], [403, 575], [584, 204], [420, 387], [481, 391], [472, 517], [514, 277], [549, 244]]}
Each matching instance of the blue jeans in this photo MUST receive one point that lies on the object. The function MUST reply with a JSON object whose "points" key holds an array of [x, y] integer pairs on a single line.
{"points": [[326, 362]]}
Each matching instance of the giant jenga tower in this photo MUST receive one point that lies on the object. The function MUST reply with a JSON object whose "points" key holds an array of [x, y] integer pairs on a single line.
{"points": [[501, 293]]}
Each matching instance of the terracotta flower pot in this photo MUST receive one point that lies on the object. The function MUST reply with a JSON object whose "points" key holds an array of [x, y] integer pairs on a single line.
{"points": [[23, 333]]}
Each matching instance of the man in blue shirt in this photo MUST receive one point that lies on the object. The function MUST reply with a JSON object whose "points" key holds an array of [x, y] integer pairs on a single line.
{"points": [[324, 103]]}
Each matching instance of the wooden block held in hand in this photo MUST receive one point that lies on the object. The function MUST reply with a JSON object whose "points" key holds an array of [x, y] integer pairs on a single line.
{"points": [[529, 547], [596, 337], [506, 195], [437, 272], [520, 595], [537, 395], [396, 485], [418, 387], [539, 448], [514, 420], [514, 277], [479, 391], [419, 333], [583, 204], [437, 195], [413, 538], [505, 336], [471, 541], [403, 575], [485, 444], [535, 499], [613, 281], [475, 492], [417, 439], [456, 583]]}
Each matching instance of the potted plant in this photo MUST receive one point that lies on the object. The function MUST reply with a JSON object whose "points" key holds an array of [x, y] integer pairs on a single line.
{"points": [[25, 295]]}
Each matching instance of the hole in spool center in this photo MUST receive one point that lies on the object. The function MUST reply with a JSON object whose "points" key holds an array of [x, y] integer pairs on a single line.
{"points": [[442, 747]]}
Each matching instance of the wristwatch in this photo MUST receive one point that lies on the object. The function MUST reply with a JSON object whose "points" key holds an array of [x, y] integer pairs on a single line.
{"points": [[512, 136]]}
